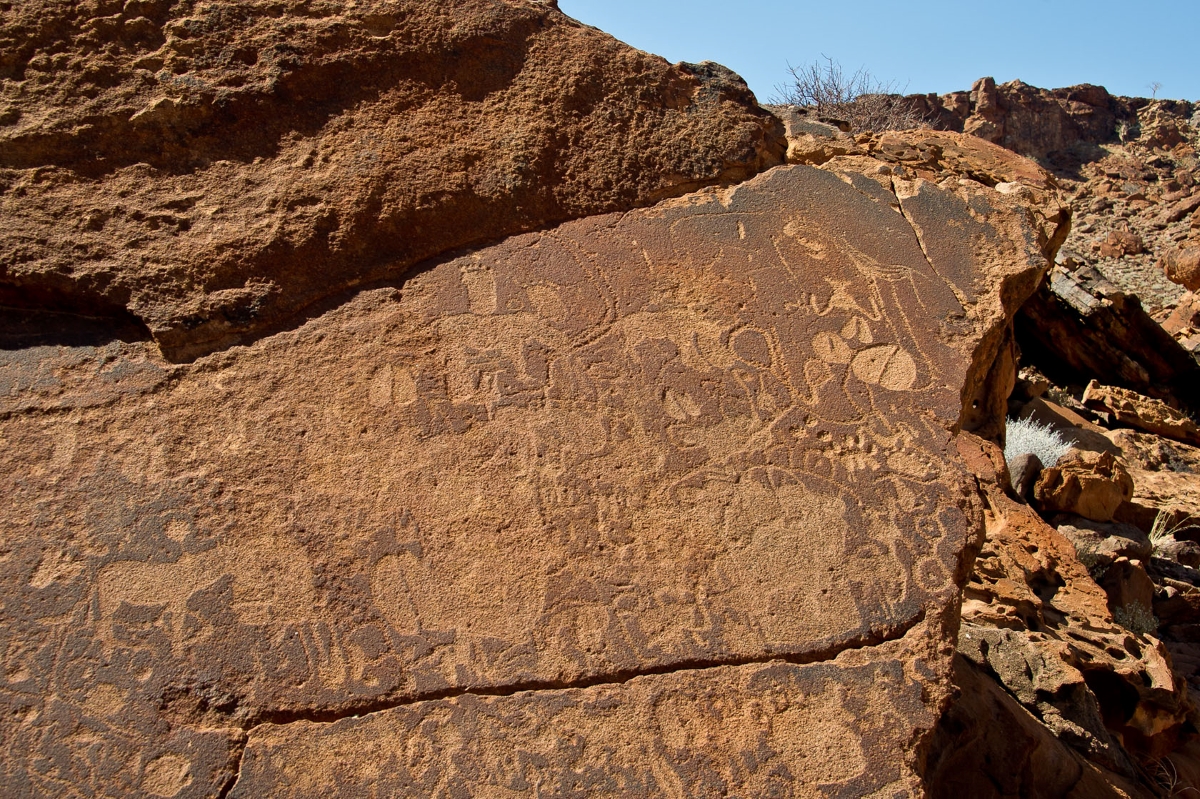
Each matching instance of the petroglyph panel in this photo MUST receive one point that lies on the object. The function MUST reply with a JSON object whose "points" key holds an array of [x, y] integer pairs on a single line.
{"points": [[764, 730], [715, 431]]}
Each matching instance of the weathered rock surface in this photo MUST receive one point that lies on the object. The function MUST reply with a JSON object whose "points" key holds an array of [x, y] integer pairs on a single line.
{"points": [[1035, 619], [1060, 127], [987, 746], [764, 730], [894, 159], [1104, 542], [1182, 264], [213, 170], [1150, 415], [1184, 322], [1079, 327], [675, 464], [1089, 484], [1128, 166], [1166, 479]]}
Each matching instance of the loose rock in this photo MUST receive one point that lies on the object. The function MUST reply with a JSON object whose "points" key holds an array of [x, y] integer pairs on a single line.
{"points": [[1088, 484], [1182, 266]]}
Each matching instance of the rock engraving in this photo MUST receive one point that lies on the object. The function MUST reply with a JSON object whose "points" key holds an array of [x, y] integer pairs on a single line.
{"points": [[717, 432]]}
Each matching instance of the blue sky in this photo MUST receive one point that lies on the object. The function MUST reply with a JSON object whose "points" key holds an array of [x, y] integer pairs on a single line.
{"points": [[928, 45]]}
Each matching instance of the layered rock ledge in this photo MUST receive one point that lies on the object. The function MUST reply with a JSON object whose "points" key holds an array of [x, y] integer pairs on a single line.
{"points": [[210, 172]]}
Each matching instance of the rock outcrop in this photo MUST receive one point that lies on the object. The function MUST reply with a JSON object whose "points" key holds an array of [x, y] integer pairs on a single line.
{"points": [[1079, 325], [212, 172], [1081, 634], [605, 507], [1063, 126], [1087, 484], [1128, 166], [1087, 700], [699, 498]]}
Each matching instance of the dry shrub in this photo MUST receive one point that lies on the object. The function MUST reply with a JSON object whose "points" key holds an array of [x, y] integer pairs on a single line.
{"points": [[866, 103]]}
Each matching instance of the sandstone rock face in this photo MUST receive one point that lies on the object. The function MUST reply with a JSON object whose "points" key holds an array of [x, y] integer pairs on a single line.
{"points": [[1056, 126], [212, 170], [1129, 169], [1092, 485], [654, 503], [953, 160], [811, 141], [810, 727], [1104, 542]]}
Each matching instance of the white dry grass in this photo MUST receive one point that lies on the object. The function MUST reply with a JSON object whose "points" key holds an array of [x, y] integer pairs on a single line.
{"points": [[1163, 531], [1026, 435]]}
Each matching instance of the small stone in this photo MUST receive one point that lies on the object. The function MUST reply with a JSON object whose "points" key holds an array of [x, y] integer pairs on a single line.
{"points": [[1024, 470], [1182, 266], [1121, 243]]}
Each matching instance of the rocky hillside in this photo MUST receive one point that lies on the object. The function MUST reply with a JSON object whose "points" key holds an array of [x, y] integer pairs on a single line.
{"points": [[445, 399]]}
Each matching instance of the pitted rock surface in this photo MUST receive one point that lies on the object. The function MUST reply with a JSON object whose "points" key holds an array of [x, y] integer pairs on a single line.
{"points": [[1037, 621], [212, 170], [698, 450]]}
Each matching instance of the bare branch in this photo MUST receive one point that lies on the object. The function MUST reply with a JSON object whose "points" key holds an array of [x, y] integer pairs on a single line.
{"points": [[860, 99]]}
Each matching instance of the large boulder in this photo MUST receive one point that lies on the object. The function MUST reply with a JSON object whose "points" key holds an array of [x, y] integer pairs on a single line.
{"points": [[210, 171], [1089, 484], [665, 502]]}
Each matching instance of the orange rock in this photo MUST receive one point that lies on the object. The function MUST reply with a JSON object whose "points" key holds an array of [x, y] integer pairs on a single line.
{"points": [[1088, 484], [1121, 243], [1164, 474], [540, 493], [1129, 588], [1133, 409], [1034, 616], [1185, 316], [213, 171], [1182, 266]]}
